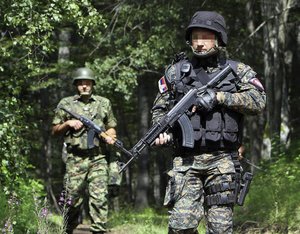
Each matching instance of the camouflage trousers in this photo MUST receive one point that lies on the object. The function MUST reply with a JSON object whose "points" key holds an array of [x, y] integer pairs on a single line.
{"points": [[87, 174], [185, 194]]}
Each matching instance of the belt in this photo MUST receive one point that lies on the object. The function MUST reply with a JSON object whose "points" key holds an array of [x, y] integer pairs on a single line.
{"points": [[85, 152], [191, 152]]}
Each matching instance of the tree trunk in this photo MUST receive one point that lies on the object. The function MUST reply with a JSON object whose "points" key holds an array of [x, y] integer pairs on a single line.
{"points": [[293, 70], [143, 161], [275, 13], [254, 124], [53, 146]]}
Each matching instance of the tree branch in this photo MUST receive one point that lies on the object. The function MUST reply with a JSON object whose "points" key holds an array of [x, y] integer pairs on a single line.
{"points": [[260, 26]]}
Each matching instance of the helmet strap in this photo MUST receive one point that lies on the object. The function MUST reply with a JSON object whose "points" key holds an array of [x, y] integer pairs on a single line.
{"points": [[207, 54]]}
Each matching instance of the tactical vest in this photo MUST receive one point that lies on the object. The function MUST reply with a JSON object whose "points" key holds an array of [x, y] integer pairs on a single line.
{"points": [[219, 129]]}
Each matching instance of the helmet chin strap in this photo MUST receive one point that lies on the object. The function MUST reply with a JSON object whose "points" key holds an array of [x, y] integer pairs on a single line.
{"points": [[212, 51]]}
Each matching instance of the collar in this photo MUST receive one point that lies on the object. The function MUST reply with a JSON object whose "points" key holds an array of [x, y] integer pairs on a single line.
{"points": [[77, 98]]}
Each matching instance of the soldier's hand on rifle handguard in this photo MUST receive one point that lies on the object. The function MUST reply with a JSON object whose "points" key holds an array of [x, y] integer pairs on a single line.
{"points": [[109, 136]]}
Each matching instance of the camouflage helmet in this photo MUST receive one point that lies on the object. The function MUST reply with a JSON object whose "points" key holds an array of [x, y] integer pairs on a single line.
{"points": [[208, 20], [83, 73]]}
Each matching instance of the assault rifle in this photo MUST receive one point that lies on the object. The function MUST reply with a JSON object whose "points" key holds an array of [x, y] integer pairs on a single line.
{"points": [[95, 131], [178, 114]]}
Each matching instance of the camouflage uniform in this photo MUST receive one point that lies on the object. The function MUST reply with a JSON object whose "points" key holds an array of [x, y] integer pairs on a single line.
{"points": [[195, 170], [87, 168], [206, 177]]}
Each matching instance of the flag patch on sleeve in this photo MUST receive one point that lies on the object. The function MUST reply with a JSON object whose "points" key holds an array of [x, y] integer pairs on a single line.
{"points": [[162, 85], [256, 83]]}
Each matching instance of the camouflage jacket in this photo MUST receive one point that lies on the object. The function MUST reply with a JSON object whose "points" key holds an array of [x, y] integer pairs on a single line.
{"points": [[98, 109]]}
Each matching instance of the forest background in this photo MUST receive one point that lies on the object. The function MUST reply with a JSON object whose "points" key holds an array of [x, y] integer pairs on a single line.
{"points": [[128, 43]]}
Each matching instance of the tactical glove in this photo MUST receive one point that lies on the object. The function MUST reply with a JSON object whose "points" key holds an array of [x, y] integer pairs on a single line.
{"points": [[207, 100]]}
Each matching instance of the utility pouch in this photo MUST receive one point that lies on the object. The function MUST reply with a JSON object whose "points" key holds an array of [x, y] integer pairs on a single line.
{"points": [[245, 185], [213, 129]]}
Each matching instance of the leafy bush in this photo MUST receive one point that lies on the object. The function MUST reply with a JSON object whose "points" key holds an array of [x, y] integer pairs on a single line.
{"points": [[18, 212], [274, 197]]}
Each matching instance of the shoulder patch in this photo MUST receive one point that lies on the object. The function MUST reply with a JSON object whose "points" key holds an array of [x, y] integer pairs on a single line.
{"points": [[257, 84], [162, 85]]}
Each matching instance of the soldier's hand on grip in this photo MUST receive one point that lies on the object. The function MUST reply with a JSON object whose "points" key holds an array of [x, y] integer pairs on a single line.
{"points": [[207, 100], [75, 124]]}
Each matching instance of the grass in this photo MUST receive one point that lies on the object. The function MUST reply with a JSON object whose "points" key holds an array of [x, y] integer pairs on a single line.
{"points": [[148, 221]]}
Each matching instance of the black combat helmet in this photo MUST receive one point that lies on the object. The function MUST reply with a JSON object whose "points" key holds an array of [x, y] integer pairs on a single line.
{"points": [[209, 20], [83, 73]]}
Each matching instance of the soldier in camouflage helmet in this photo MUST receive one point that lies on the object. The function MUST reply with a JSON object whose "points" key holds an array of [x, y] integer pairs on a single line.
{"points": [[205, 179], [86, 166]]}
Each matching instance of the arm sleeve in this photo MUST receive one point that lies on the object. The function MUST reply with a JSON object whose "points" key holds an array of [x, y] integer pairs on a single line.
{"points": [[160, 107], [111, 121], [59, 115], [250, 97]]}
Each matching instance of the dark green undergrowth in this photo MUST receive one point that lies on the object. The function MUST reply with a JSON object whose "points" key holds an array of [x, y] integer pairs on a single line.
{"points": [[272, 206], [25, 210], [273, 203]]}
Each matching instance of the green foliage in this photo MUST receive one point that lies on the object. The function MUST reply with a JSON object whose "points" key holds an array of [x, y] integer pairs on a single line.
{"points": [[29, 39], [13, 147], [18, 213], [273, 201], [28, 63], [137, 42]]}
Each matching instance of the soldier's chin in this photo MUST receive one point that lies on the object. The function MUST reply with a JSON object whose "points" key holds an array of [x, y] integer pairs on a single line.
{"points": [[85, 94]]}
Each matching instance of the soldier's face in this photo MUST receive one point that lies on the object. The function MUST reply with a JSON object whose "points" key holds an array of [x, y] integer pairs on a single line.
{"points": [[203, 40], [84, 87]]}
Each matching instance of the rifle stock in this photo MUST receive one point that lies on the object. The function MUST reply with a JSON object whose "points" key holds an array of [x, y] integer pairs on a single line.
{"points": [[177, 113]]}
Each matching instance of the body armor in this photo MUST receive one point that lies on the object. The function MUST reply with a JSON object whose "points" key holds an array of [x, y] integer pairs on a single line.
{"points": [[219, 129]]}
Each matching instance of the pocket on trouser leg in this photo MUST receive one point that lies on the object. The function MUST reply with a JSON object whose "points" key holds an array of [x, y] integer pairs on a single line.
{"points": [[187, 210], [115, 178], [174, 188]]}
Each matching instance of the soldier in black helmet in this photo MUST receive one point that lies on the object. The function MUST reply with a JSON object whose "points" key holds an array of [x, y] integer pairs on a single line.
{"points": [[87, 166], [206, 179]]}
